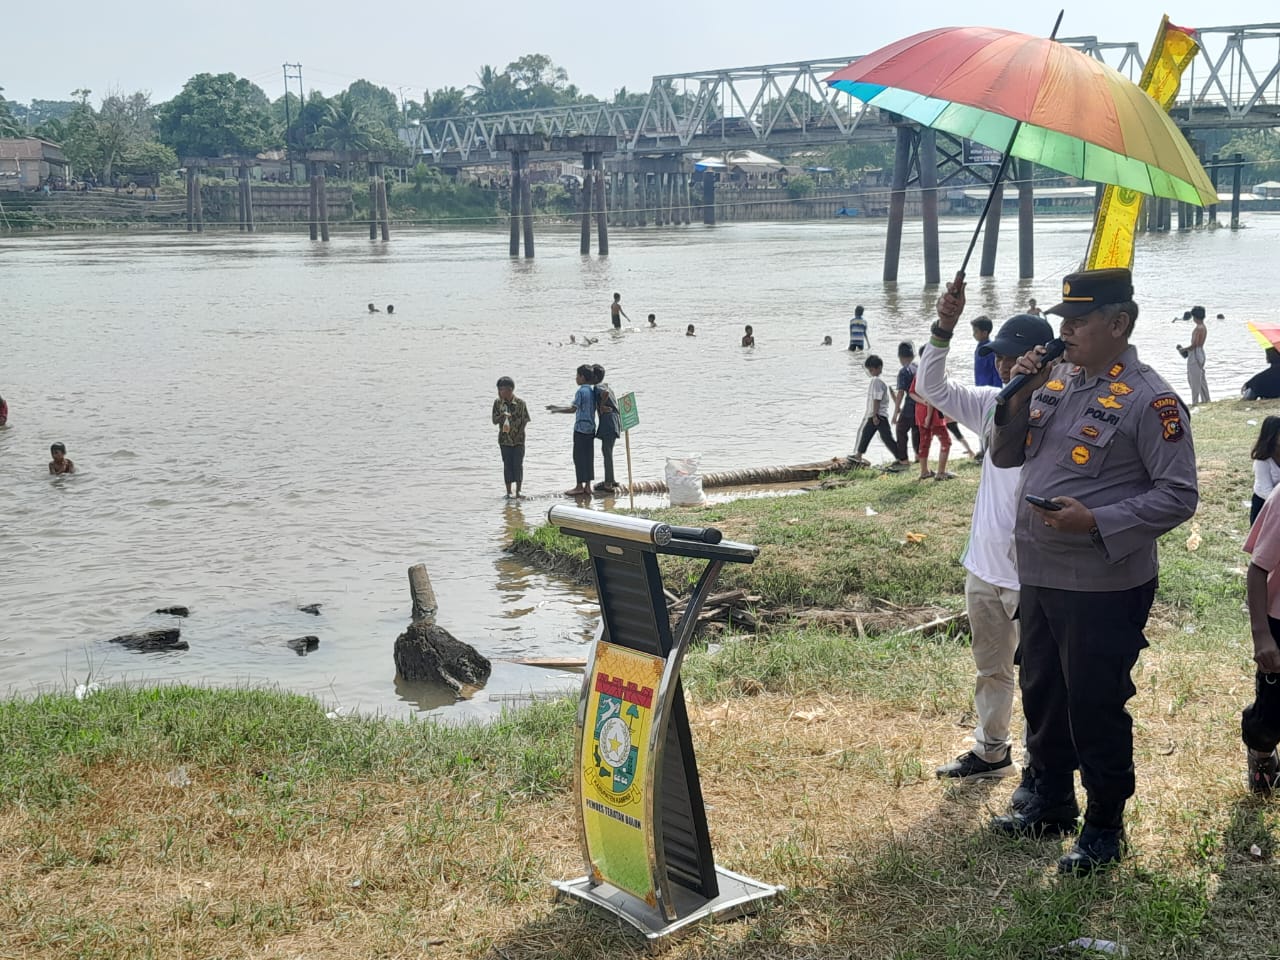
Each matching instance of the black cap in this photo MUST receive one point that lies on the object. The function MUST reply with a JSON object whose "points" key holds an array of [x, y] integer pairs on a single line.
{"points": [[1017, 335], [1088, 290]]}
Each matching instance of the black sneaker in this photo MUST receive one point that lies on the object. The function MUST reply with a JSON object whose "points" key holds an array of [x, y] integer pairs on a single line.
{"points": [[1264, 773], [1039, 816], [1095, 848], [970, 766]]}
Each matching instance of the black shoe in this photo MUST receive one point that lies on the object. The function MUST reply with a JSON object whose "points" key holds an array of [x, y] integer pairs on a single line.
{"points": [[970, 766], [1264, 773], [1095, 848], [1039, 816], [1025, 791]]}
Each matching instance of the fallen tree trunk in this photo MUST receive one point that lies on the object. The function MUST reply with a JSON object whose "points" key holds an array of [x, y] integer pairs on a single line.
{"points": [[748, 476], [428, 652]]}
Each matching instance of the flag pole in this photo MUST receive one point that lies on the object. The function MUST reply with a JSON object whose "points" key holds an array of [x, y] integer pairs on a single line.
{"points": [[1004, 164]]}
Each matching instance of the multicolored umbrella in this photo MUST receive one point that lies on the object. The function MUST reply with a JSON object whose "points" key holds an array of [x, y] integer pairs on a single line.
{"points": [[1078, 116], [1267, 334]]}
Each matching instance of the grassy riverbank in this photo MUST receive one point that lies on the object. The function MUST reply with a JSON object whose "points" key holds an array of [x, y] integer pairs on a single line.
{"points": [[300, 835]]}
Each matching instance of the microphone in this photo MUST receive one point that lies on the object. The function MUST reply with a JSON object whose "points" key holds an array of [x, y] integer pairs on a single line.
{"points": [[699, 534], [1052, 351]]}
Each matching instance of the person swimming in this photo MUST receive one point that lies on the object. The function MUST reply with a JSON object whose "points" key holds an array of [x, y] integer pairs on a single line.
{"points": [[689, 331], [60, 463], [373, 309], [391, 308]]}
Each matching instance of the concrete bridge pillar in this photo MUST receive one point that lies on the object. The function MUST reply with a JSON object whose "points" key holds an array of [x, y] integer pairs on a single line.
{"points": [[1026, 220], [897, 202]]}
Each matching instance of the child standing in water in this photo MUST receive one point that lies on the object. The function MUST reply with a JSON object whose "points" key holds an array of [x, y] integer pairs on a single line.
{"points": [[60, 463], [610, 428], [616, 313], [512, 416], [584, 431]]}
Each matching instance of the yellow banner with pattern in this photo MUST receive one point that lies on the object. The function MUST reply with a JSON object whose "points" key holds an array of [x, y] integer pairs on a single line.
{"points": [[1116, 221]]}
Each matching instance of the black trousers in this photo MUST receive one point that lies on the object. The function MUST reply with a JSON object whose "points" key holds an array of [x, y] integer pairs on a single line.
{"points": [[907, 430], [1255, 508], [1077, 650], [584, 456], [606, 451], [1260, 722], [512, 463], [870, 429]]}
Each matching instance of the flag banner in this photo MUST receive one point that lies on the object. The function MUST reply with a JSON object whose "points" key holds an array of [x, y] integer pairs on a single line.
{"points": [[1115, 224]]}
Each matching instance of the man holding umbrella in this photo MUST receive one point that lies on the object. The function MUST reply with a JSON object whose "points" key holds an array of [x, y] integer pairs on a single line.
{"points": [[1105, 450]]}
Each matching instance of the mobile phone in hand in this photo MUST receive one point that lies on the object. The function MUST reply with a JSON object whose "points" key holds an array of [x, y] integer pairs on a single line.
{"points": [[1042, 502]]}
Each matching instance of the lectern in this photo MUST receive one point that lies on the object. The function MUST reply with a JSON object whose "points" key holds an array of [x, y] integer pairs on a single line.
{"points": [[641, 819]]}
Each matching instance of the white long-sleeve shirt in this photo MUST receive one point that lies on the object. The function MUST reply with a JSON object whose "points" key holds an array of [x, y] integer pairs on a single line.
{"points": [[990, 553], [1266, 474]]}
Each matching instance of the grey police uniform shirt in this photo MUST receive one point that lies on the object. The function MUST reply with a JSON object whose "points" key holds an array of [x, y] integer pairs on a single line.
{"points": [[1120, 444]]}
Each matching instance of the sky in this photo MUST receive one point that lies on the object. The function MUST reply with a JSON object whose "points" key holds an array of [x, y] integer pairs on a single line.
{"points": [[603, 46]]}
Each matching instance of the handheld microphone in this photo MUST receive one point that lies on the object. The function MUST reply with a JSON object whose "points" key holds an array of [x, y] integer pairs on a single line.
{"points": [[1052, 351]]}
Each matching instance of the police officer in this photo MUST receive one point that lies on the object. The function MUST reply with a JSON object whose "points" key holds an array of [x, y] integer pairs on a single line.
{"points": [[1105, 441]]}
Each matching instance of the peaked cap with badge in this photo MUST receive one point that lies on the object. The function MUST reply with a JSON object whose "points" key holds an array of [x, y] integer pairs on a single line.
{"points": [[1088, 290]]}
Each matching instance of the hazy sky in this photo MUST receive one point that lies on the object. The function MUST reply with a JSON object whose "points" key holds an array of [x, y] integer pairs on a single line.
{"points": [[604, 46]]}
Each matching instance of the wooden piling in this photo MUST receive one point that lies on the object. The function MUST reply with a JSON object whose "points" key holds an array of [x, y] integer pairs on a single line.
{"points": [[709, 198], [384, 216], [373, 202], [928, 160], [313, 221], [991, 233], [191, 203], [642, 198], [422, 594], [1214, 166], [602, 213], [897, 202], [1026, 220], [1237, 167], [514, 248], [687, 200], [526, 214], [324, 206], [585, 204], [248, 202], [199, 204], [241, 216]]}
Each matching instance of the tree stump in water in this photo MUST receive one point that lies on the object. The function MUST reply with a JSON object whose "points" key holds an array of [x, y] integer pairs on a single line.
{"points": [[429, 652], [152, 640]]}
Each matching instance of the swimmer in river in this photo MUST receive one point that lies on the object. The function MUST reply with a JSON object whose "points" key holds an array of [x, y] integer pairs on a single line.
{"points": [[373, 309], [391, 308], [689, 331], [653, 320], [60, 463], [749, 338], [826, 341], [4, 412]]}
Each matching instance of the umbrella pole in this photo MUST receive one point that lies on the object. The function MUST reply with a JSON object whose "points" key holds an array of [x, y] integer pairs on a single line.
{"points": [[995, 181]]}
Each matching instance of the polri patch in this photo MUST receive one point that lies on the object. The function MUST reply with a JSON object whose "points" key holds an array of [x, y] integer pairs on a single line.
{"points": [[1172, 428], [1080, 454]]}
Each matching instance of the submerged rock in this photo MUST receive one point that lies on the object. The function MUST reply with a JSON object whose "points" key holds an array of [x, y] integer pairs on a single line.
{"points": [[152, 640], [313, 608], [431, 653], [303, 645], [175, 611]]}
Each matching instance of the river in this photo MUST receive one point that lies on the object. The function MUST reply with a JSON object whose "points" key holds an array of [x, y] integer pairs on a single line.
{"points": [[250, 438]]}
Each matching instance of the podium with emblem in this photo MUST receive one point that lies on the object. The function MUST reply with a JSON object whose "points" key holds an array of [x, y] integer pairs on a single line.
{"points": [[641, 819]]}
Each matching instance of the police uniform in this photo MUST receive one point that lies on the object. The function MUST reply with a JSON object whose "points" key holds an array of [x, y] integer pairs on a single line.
{"points": [[1119, 442]]}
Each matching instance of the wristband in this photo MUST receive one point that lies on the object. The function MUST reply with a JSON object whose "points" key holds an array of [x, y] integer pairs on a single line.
{"points": [[940, 344], [941, 333]]}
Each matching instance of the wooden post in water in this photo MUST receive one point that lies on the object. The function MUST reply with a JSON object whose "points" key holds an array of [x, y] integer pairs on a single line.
{"points": [[602, 213], [323, 194], [709, 197], [242, 219], [373, 201], [199, 204], [1237, 167], [191, 201], [313, 221], [897, 202], [1213, 178], [991, 232], [248, 199], [384, 215], [928, 160], [1026, 220], [585, 206], [526, 214], [686, 188], [642, 197], [514, 219]]}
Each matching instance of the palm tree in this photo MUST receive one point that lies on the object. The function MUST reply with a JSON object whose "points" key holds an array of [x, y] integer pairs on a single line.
{"points": [[345, 127]]}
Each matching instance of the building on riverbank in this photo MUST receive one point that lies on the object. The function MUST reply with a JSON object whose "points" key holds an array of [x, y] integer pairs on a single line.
{"points": [[27, 162]]}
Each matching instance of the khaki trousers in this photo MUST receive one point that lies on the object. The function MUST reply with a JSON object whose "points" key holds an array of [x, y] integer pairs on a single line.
{"points": [[995, 640]]}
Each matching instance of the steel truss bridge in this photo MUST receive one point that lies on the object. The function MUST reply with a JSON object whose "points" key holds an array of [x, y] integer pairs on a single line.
{"points": [[1233, 83]]}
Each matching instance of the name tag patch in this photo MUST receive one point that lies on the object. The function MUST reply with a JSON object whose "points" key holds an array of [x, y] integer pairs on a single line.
{"points": [[1101, 415]]}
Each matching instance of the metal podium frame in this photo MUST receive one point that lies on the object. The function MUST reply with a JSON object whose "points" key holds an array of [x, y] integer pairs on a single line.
{"points": [[685, 884]]}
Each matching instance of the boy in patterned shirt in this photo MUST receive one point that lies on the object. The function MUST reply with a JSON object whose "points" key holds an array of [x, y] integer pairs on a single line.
{"points": [[511, 415]]}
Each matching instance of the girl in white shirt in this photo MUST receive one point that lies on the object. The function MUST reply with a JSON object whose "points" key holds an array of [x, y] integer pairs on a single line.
{"points": [[1266, 464]]}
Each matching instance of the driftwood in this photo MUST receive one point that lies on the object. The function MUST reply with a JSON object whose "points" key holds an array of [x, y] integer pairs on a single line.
{"points": [[303, 645], [175, 611], [955, 623], [152, 640], [312, 608], [753, 475], [727, 607], [429, 652]]}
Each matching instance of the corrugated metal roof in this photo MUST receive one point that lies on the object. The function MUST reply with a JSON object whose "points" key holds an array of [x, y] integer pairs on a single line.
{"points": [[30, 148]]}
